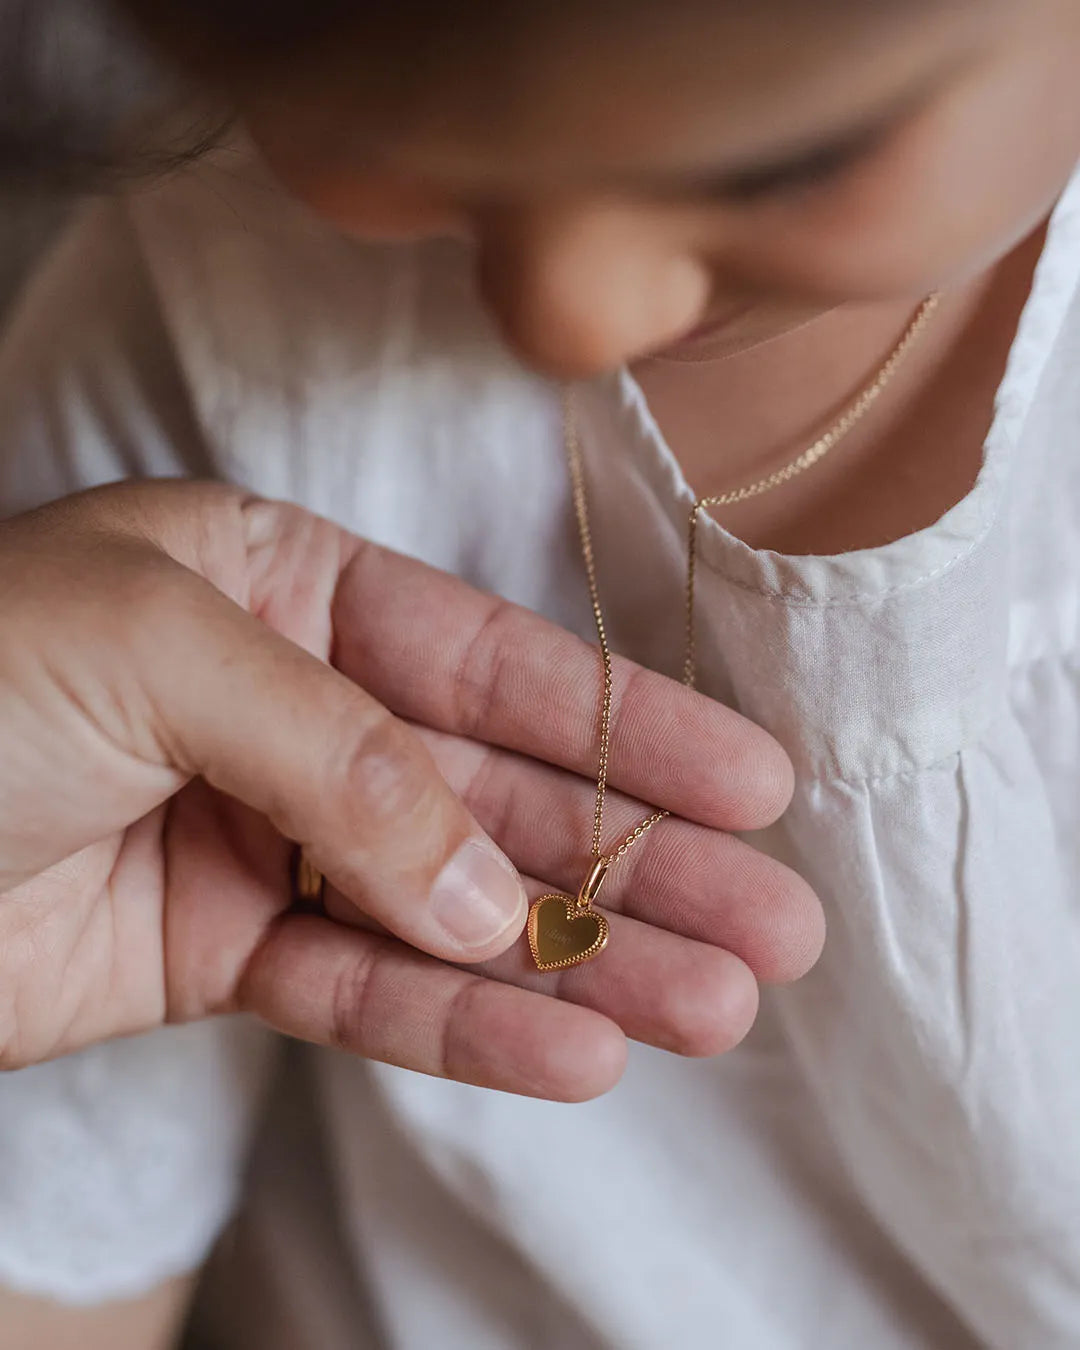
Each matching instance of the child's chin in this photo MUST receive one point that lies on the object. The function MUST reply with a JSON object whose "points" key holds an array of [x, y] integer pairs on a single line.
{"points": [[736, 328]]}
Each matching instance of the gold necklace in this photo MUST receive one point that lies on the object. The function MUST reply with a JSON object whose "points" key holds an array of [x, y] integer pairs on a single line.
{"points": [[565, 931]]}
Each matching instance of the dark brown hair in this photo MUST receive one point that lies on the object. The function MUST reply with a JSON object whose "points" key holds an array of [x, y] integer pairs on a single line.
{"points": [[83, 101], [89, 91], [86, 88]]}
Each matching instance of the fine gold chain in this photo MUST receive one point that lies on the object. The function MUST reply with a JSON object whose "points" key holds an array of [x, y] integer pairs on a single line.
{"points": [[581, 510], [846, 423], [851, 417]]}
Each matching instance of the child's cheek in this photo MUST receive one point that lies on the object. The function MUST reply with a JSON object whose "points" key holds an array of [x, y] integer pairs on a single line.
{"points": [[379, 208], [929, 211], [369, 203]]}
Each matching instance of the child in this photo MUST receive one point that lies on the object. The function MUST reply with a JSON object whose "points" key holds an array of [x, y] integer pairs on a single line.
{"points": [[720, 221]]}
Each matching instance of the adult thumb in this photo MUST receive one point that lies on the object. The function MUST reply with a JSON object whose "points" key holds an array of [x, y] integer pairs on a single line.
{"points": [[271, 725]]}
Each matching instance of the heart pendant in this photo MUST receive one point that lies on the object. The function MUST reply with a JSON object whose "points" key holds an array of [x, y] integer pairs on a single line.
{"points": [[563, 934]]}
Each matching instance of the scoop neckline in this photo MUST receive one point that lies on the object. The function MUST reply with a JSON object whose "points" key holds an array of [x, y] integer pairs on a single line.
{"points": [[916, 559]]}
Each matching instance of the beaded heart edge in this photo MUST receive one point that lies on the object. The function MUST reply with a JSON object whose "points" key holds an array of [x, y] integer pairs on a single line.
{"points": [[572, 913]]}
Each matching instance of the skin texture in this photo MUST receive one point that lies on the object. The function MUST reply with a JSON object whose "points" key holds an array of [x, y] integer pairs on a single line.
{"points": [[620, 182], [161, 628], [619, 189], [146, 813]]}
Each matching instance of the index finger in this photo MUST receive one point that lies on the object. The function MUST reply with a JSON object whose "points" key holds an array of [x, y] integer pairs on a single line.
{"points": [[438, 651]]}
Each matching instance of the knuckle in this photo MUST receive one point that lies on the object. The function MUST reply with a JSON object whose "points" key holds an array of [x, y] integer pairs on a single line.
{"points": [[350, 1024], [457, 1051], [281, 539], [480, 673], [632, 686], [388, 778], [495, 794], [262, 520]]}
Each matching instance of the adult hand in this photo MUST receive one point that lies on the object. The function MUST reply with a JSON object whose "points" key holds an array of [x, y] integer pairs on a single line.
{"points": [[191, 678]]}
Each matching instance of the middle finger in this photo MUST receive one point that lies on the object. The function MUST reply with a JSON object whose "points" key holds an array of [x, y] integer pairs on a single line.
{"points": [[687, 879]]}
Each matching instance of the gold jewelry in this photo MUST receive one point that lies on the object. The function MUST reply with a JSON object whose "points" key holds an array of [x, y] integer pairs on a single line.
{"points": [[565, 931], [308, 882]]}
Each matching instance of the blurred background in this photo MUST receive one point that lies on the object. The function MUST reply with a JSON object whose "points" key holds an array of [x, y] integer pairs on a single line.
{"points": [[25, 227], [80, 107]]}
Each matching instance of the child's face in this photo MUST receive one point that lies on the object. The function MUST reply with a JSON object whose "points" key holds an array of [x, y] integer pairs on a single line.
{"points": [[743, 164]]}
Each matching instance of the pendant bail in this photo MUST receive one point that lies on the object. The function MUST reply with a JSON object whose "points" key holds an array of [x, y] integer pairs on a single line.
{"points": [[590, 888]]}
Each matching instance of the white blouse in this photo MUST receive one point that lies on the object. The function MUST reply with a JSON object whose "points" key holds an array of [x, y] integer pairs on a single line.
{"points": [[892, 1160]]}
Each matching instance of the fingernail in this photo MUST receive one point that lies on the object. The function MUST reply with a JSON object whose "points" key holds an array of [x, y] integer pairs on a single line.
{"points": [[477, 895]]}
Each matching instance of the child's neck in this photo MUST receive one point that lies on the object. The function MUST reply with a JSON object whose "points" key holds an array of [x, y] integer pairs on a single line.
{"points": [[731, 421]]}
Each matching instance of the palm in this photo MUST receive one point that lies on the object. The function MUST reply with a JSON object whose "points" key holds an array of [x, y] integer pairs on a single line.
{"points": [[148, 925]]}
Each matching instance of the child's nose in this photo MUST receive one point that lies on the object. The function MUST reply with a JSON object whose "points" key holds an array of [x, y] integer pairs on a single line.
{"points": [[580, 289]]}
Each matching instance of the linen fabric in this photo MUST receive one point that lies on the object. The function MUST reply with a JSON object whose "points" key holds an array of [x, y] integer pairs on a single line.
{"points": [[892, 1160]]}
